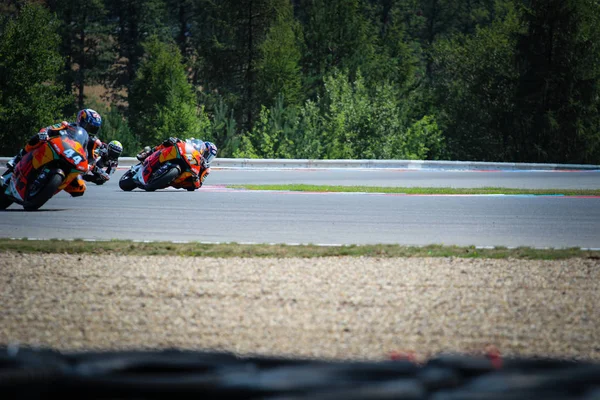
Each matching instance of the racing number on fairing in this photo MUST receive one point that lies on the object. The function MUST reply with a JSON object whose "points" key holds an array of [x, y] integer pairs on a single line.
{"points": [[72, 154]]}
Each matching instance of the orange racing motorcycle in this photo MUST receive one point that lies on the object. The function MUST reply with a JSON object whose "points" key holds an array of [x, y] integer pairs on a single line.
{"points": [[172, 166], [46, 170]]}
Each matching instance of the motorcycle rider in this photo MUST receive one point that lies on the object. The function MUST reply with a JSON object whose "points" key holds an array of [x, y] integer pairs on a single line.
{"points": [[107, 157], [87, 119], [207, 150]]}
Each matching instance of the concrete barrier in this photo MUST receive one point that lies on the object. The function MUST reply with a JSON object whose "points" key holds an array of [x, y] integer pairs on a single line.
{"points": [[249, 163]]}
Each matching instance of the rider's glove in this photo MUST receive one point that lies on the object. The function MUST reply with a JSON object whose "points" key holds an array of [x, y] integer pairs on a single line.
{"points": [[102, 150], [204, 175], [112, 165], [144, 153]]}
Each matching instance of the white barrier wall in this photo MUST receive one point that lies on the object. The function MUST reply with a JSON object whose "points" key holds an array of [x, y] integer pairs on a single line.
{"points": [[398, 164]]}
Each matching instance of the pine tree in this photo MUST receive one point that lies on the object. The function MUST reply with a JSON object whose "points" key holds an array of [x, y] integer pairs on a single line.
{"points": [[162, 102], [558, 95], [278, 67], [29, 64], [227, 35], [337, 36], [86, 47], [137, 20]]}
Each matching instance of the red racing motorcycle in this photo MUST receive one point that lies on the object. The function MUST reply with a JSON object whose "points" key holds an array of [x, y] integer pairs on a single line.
{"points": [[46, 170], [172, 166]]}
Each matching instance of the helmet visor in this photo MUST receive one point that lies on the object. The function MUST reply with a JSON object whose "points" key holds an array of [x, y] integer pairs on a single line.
{"points": [[113, 154], [92, 129], [208, 156]]}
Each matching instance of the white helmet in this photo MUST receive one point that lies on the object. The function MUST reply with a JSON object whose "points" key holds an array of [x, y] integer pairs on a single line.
{"points": [[210, 152]]}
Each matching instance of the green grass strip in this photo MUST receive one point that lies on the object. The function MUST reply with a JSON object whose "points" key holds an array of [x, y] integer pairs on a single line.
{"points": [[124, 247], [423, 190]]}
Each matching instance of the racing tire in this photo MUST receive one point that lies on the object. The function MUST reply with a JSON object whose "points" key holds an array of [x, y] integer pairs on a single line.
{"points": [[5, 201], [126, 182], [40, 197], [164, 180]]}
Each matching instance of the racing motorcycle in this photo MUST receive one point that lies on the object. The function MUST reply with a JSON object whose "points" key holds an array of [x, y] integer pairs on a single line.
{"points": [[171, 166], [46, 170]]}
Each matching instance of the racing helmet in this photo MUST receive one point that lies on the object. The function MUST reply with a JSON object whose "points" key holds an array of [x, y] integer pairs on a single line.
{"points": [[210, 152], [89, 120], [114, 149]]}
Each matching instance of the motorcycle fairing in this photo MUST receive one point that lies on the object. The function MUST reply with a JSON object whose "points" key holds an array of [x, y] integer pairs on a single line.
{"points": [[193, 160], [192, 157], [25, 171], [154, 162], [72, 150], [30, 165], [180, 181]]}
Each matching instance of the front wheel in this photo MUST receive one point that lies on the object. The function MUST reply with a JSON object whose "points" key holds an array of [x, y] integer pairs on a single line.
{"points": [[163, 180], [5, 201], [126, 182], [40, 192]]}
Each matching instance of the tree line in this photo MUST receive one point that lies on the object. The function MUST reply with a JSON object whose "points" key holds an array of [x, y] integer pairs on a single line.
{"points": [[490, 80]]}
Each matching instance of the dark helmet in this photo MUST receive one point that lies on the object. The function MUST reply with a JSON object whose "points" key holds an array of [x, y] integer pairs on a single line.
{"points": [[89, 120]]}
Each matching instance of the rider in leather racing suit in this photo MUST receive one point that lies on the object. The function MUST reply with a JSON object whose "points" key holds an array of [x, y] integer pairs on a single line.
{"points": [[207, 150], [107, 156], [87, 119]]}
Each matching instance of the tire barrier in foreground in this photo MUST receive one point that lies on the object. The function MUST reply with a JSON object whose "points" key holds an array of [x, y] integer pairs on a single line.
{"points": [[45, 373]]}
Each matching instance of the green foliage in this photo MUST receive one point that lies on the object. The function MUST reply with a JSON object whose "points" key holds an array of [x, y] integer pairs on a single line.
{"points": [[115, 127], [86, 44], [475, 88], [310, 138], [422, 139], [132, 23], [497, 80], [223, 130], [228, 36], [161, 102], [29, 64], [337, 36], [273, 133], [364, 126], [558, 92], [278, 69]]}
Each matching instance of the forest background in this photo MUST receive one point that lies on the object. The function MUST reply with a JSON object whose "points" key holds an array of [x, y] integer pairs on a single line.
{"points": [[486, 80]]}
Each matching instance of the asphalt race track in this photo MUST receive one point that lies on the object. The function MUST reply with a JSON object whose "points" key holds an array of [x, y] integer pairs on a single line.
{"points": [[217, 214]]}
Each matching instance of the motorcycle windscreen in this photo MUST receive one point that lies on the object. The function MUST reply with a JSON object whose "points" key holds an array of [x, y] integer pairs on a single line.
{"points": [[79, 135]]}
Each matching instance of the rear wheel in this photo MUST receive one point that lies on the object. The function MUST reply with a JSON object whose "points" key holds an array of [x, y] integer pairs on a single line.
{"points": [[126, 182], [40, 192], [163, 180]]}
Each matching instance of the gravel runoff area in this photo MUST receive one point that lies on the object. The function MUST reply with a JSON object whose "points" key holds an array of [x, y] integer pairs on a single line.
{"points": [[336, 307]]}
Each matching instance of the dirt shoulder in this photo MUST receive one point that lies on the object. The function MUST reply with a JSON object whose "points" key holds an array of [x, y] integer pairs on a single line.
{"points": [[330, 307]]}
